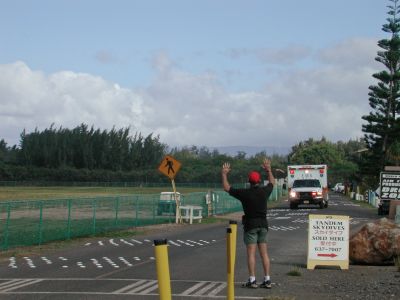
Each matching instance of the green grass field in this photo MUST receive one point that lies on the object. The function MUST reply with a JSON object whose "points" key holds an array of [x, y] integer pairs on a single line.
{"points": [[43, 193]]}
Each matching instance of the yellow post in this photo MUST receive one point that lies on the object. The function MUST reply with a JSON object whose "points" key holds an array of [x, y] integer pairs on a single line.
{"points": [[164, 282], [233, 227], [230, 295], [178, 218]]}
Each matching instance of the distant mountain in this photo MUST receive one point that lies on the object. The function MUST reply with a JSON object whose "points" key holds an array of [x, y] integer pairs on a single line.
{"points": [[250, 150]]}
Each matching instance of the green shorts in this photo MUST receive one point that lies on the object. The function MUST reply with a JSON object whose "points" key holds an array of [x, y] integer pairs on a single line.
{"points": [[255, 236]]}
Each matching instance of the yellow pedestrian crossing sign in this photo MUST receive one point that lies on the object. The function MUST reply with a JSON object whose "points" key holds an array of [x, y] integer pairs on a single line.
{"points": [[169, 166]]}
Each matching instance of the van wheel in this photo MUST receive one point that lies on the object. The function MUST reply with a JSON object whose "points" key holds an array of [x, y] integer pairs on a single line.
{"points": [[321, 205], [293, 206]]}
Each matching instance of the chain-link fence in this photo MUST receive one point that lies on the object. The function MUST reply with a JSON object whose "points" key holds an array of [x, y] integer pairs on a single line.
{"points": [[25, 223], [124, 184]]}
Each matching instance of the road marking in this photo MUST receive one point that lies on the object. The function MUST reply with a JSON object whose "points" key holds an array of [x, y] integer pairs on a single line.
{"points": [[272, 215], [13, 263], [208, 287], [113, 243], [136, 241], [30, 262], [150, 289], [145, 285], [121, 290], [126, 242], [283, 228], [190, 243], [194, 242], [96, 263], [16, 284], [46, 260], [125, 261], [173, 243], [111, 262], [202, 289], [218, 289], [185, 243], [193, 288], [298, 214], [300, 221], [282, 218]]}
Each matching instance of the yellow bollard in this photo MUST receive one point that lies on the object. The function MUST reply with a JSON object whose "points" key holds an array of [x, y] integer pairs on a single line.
{"points": [[230, 295], [164, 282], [233, 227]]}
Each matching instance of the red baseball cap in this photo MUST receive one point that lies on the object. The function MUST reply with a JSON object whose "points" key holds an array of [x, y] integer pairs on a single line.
{"points": [[254, 177]]}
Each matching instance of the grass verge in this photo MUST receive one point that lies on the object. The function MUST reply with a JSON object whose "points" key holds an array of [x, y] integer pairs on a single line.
{"points": [[295, 271]]}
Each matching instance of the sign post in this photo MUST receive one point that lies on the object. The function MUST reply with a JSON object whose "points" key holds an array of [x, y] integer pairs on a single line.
{"points": [[328, 241], [170, 167]]}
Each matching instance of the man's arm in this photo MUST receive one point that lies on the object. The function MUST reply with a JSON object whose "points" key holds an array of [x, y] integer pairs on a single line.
{"points": [[226, 167], [267, 167]]}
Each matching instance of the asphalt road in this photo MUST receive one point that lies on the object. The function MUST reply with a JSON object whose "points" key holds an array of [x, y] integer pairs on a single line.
{"points": [[118, 268]]}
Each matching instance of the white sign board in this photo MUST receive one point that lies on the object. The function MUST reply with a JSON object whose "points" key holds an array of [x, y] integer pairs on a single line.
{"points": [[390, 186], [328, 241]]}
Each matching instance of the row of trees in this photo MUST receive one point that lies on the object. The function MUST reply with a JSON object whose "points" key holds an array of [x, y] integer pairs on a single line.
{"points": [[85, 148], [84, 154]]}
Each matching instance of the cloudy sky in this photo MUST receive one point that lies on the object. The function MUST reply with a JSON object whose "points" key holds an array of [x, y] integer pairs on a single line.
{"points": [[201, 72]]}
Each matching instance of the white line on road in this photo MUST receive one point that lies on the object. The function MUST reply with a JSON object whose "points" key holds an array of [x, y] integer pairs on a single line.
{"points": [[193, 288], [136, 241], [173, 243], [218, 289], [15, 284], [125, 288], [144, 286], [208, 287], [151, 285]]}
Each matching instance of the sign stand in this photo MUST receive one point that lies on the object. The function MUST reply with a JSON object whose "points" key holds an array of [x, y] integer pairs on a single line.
{"points": [[178, 217], [170, 167], [328, 241]]}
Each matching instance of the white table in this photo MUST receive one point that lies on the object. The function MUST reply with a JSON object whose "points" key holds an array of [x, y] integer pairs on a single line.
{"points": [[191, 212]]}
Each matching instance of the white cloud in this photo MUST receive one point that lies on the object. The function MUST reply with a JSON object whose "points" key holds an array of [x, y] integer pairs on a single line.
{"points": [[29, 99], [279, 56], [195, 109], [353, 53]]}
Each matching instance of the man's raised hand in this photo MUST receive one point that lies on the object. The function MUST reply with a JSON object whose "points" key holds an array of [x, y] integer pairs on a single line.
{"points": [[226, 168], [266, 165]]}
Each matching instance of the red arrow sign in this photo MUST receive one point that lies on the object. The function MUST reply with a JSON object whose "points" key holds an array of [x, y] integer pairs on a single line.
{"points": [[328, 255]]}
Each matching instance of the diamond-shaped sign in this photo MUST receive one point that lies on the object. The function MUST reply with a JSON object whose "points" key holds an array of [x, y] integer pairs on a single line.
{"points": [[169, 166]]}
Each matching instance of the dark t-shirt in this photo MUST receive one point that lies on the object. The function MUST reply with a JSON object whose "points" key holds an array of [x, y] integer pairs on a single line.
{"points": [[254, 201]]}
